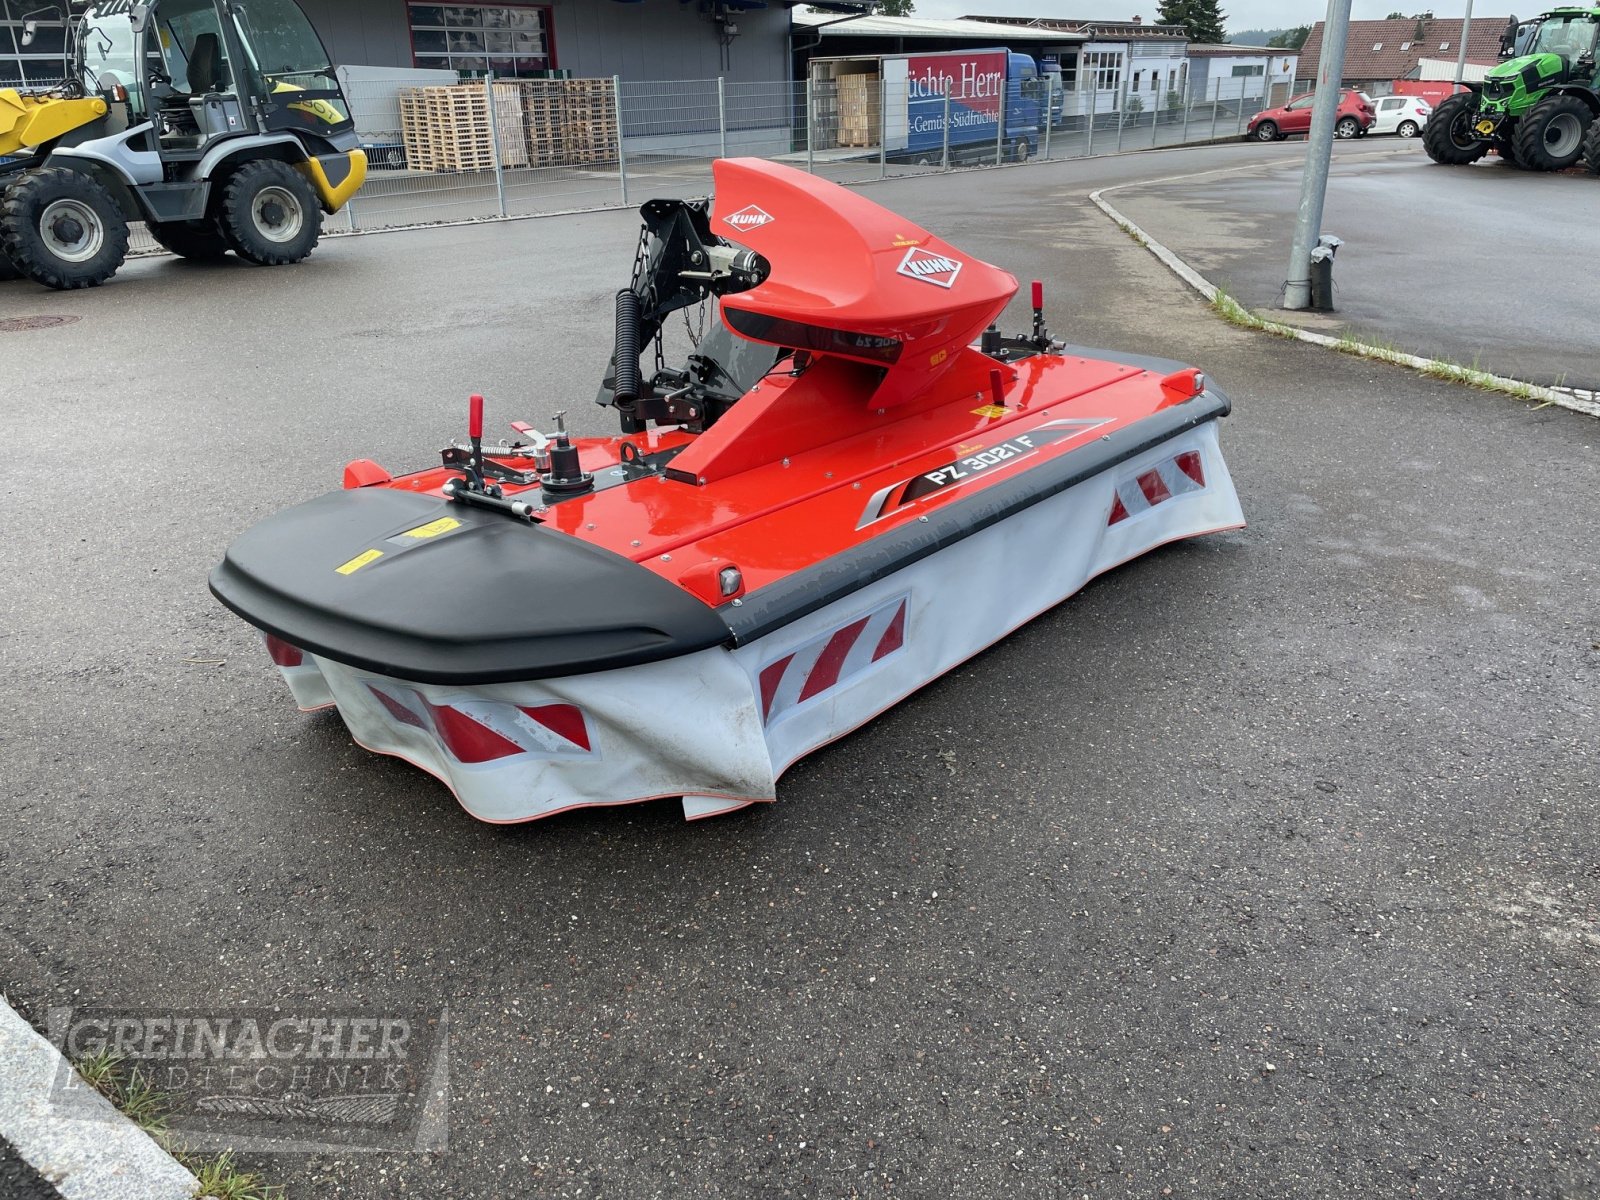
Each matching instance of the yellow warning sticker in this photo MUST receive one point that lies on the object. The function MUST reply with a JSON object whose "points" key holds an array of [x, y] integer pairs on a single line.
{"points": [[989, 410], [433, 528], [359, 561]]}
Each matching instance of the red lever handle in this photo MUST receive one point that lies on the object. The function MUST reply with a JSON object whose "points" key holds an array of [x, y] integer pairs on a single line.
{"points": [[997, 387], [1038, 293], [475, 416]]}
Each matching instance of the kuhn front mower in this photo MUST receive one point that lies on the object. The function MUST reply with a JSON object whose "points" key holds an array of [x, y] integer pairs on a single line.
{"points": [[853, 485]]}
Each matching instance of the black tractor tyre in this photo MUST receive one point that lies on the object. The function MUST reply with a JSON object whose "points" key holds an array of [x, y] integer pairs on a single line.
{"points": [[1506, 148], [1551, 136], [1267, 131], [7, 271], [1591, 150], [62, 229], [1448, 137], [199, 240], [270, 213], [1346, 127]]}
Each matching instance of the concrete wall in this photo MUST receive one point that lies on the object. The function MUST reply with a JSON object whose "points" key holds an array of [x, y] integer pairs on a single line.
{"points": [[655, 39]]}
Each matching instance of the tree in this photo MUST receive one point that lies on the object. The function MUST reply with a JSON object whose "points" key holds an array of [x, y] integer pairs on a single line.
{"points": [[1201, 18], [1291, 39], [896, 8]]}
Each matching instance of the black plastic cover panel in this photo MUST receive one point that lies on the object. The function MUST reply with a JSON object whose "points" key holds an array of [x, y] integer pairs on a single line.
{"points": [[491, 600]]}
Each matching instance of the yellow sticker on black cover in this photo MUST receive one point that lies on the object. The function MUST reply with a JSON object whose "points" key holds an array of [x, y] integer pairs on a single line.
{"points": [[359, 561], [433, 528]]}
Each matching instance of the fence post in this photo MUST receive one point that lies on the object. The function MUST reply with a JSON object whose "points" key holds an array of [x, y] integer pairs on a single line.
{"points": [[1216, 93], [1094, 105], [944, 153], [494, 142], [622, 159], [1000, 129], [1238, 125], [1188, 97], [883, 126], [1159, 103], [1122, 111], [1048, 116], [722, 116], [811, 120]]}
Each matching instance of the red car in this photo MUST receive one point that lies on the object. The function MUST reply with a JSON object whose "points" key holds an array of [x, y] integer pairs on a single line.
{"points": [[1354, 118]]}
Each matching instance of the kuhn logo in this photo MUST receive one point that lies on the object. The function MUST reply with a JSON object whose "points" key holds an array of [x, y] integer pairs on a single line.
{"points": [[930, 268], [749, 218]]}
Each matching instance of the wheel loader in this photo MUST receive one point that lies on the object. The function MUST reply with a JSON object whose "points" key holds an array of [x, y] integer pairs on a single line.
{"points": [[219, 123], [1536, 107]]}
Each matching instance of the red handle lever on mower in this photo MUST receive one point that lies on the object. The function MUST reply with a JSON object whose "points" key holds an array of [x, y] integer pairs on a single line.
{"points": [[475, 416]]}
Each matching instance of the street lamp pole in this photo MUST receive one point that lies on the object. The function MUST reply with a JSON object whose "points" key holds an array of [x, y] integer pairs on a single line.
{"points": [[1461, 53], [1319, 149]]}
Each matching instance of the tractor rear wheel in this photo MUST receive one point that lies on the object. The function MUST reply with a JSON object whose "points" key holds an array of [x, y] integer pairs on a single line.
{"points": [[1591, 148], [7, 271], [1550, 137], [59, 227], [270, 213], [199, 240], [1448, 136]]}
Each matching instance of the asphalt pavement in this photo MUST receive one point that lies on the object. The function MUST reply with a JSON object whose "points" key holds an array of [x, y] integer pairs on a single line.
{"points": [[1267, 866], [1483, 266]]}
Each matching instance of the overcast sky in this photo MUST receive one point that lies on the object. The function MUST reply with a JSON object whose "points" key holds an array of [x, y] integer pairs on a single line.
{"points": [[1240, 14]]}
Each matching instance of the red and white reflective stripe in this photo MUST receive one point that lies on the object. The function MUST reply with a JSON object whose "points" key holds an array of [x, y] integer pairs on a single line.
{"points": [[478, 731], [284, 654], [1177, 476], [828, 660]]}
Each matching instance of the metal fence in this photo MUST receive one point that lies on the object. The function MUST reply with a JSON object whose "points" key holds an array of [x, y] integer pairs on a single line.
{"points": [[666, 134], [487, 149]]}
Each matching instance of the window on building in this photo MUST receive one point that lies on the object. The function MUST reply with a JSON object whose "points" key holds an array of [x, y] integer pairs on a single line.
{"points": [[1248, 69], [1405, 45], [508, 39], [1102, 70], [39, 62], [1376, 46], [1444, 45]]}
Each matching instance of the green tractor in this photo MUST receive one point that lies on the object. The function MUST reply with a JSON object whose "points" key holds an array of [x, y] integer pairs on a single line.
{"points": [[1537, 108], [218, 123]]}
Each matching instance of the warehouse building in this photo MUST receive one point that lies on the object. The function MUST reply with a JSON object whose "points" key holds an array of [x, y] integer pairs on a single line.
{"points": [[739, 40]]}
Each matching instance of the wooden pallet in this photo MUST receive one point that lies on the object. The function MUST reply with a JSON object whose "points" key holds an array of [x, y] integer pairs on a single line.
{"points": [[569, 122], [449, 128]]}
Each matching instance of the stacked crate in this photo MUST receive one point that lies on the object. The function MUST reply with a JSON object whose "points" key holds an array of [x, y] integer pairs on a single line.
{"points": [[542, 118], [591, 132], [570, 121], [448, 128], [860, 110]]}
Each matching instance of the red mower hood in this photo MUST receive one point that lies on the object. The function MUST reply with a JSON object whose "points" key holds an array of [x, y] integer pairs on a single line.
{"points": [[851, 279]]}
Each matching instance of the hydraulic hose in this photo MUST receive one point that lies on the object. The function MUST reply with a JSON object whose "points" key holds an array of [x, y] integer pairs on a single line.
{"points": [[625, 387]]}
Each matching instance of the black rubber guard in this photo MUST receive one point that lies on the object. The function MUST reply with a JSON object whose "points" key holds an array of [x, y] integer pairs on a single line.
{"points": [[493, 601]]}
